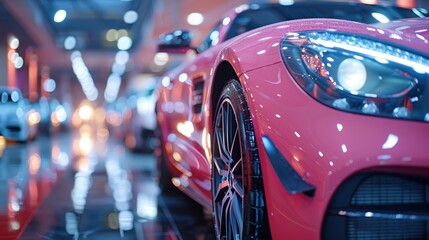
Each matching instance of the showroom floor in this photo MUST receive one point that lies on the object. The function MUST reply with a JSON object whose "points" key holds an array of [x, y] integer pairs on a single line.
{"points": [[82, 186]]}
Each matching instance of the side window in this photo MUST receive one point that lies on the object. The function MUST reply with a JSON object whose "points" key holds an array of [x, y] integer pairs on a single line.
{"points": [[211, 38]]}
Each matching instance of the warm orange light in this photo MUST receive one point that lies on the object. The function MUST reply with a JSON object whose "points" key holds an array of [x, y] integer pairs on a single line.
{"points": [[34, 164], [130, 141], [33, 118], [186, 128], [2, 142], [55, 153], [54, 120], [177, 157], [32, 78], [114, 119], [102, 133], [76, 121], [86, 112], [100, 115], [406, 3], [85, 145]]}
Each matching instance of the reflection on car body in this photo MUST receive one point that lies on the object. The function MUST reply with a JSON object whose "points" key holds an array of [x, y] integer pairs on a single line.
{"points": [[314, 128]]}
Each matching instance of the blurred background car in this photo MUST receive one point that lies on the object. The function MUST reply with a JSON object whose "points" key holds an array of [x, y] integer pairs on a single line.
{"points": [[43, 107], [114, 117], [60, 115], [140, 118], [54, 116], [18, 120]]}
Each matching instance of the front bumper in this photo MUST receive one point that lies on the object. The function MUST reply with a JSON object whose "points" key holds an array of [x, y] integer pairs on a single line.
{"points": [[325, 147]]}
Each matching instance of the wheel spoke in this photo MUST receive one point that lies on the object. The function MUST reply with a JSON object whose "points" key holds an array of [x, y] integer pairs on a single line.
{"points": [[236, 217], [224, 217], [228, 193], [223, 152], [225, 125], [234, 141], [221, 191], [237, 180], [238, 189]]}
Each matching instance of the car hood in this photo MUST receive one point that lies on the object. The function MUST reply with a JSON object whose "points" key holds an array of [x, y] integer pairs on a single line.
{"points": [[259, 47], [416, 28]]}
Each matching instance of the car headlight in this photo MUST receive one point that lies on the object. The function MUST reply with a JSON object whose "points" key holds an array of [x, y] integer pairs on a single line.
{"points": [[355, 74]]}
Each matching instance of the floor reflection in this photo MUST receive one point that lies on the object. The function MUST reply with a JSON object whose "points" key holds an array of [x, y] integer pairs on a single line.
{"points": [[181, 218], [85, 185], [28, 173]]}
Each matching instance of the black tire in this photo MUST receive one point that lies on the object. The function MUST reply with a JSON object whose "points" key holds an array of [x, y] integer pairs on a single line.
{"points": [[237, 188], [163, 173]]}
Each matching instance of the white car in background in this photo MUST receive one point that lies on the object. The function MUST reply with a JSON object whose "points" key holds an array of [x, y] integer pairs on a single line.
{"points": [[139, 118], [18, 121]]}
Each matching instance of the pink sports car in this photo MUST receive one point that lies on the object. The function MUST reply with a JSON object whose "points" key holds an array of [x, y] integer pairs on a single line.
{"points": [[306, 121]]}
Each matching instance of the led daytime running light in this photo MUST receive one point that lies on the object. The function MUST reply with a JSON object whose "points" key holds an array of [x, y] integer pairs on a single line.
{"points": [[371, 48]]}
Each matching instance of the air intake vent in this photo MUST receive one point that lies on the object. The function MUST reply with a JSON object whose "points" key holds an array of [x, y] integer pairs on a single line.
{"points": [[379, 206], [387, 190], [375, 229], [197, 95]]}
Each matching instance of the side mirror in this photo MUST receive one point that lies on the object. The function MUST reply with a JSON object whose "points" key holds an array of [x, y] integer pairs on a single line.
{"points": [[178, 42]]}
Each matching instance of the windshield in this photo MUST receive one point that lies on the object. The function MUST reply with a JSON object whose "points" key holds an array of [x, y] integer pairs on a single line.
{"points": [[10, 97], [369, 14]]}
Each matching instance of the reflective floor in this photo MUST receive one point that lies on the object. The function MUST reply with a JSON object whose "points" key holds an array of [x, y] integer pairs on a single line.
{"points": [[84, 185]]}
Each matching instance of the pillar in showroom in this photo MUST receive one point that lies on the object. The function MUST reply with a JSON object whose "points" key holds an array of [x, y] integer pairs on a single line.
{"points": [[3, 61]]}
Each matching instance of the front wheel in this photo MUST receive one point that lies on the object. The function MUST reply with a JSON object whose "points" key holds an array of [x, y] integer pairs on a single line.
{"points": [[237, 188]]}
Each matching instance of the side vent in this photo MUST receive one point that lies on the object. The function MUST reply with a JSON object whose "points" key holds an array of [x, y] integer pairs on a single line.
{"points": [[197, 94]]}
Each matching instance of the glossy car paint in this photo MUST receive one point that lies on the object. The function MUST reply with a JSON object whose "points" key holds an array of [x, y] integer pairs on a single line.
{"points": [[324, 145]]}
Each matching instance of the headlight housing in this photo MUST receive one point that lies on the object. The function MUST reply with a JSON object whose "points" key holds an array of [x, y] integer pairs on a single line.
{"points": [[355, 74]]}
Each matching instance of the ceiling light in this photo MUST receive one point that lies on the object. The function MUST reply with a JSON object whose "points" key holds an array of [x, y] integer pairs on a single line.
{"points": [[112, 35], [118, 69], [286, 2], [13, 42], [19, 62], [60, 15], [70, 43], [161, 58], [112, 88], [124, 43], [49, 85], [195, 18], [122, 57], [369, 1], [131, 17]]}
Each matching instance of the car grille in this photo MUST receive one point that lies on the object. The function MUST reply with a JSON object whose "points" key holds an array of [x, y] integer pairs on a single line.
{"points": [[387, 189], [379, 206], [14, 128], [374, 229]]}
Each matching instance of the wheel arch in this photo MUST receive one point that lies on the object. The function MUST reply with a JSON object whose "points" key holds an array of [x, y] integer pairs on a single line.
{"points": [[224, 73]]}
